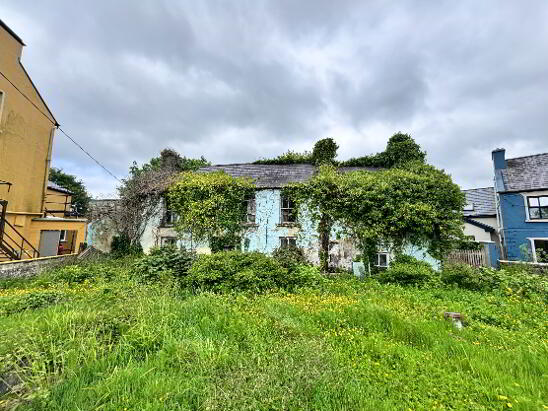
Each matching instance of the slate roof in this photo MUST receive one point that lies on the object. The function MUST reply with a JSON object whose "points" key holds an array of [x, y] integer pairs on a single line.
{"points": [[482, 200], [525, 173], [273, 175], [56, 187]]}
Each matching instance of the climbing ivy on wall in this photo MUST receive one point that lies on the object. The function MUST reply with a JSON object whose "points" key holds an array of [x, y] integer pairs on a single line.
{"points": [[211, 206], [415, 204]]}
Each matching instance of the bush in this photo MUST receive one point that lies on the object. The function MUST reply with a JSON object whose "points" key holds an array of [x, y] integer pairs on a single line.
{"points": [[236, 271], [121, 246], [289, 257], [470, 278], [161, 263], [407, 270]]}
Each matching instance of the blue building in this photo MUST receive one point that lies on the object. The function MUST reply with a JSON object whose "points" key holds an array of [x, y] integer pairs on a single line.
{"points": [[521, 187]]}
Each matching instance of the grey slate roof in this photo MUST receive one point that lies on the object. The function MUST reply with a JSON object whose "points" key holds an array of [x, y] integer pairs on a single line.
{"points": [[482, 200], [526, 173], [56, 187], [273, 175]]}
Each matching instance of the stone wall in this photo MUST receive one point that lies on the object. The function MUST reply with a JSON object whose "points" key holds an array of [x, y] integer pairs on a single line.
{"points": [[32, 267]]}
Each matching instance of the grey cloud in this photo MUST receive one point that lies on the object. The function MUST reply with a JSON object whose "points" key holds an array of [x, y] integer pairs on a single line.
{"points": [[237, 80]]}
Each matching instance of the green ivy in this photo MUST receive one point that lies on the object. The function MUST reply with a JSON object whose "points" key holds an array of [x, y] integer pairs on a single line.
{"points": [[209, 205]]}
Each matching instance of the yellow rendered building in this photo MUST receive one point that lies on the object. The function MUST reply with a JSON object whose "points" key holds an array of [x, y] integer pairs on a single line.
{"points": [[27, 127]]}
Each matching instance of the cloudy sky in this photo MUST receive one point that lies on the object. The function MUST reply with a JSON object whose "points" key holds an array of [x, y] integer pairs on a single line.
{"points": [[243, 79]]}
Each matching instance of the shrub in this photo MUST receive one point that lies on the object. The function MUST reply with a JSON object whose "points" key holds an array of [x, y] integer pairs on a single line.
{"points": [[236, 271], [407, 270], [161, 263], [121, 246], [303, 275], [471, 278], [289, 257]]}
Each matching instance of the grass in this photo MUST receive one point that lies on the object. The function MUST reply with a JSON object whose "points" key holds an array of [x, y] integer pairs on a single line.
{"points": [[108, 343]]}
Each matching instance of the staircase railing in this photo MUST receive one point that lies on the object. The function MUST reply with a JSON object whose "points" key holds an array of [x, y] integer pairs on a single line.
{"points": [[14, 247]]}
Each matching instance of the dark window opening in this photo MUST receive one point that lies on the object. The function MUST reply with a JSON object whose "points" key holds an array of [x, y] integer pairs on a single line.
{"points": [[168, 241], [251, 210], [287, 242], [541, 251], [287, 211]]}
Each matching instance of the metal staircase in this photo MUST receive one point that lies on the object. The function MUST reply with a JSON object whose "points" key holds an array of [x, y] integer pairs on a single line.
{"points": [[13, 246]]}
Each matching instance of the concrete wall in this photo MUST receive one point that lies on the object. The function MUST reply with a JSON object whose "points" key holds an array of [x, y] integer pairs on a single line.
{"points": [[30, 268], [517, 229]]}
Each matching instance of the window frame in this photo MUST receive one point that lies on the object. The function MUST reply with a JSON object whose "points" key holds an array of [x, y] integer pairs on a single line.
{"points": [[170, 218], [534, 248], [248, 201], [290, 211], [543, 215], [163, 242], [378, 261], [288, 240], [63, 236], [2, 98]]}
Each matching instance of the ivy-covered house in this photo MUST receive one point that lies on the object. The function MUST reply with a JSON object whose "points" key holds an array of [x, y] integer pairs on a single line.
{"points": [[270, 221], [521, 186]]}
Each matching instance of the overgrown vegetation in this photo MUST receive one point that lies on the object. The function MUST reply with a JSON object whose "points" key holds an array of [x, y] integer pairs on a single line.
{"points": [[92, 337], [400, 149], [210, 205]]}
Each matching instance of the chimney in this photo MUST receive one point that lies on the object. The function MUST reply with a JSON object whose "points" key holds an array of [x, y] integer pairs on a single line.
{"points": [[499, 162]]}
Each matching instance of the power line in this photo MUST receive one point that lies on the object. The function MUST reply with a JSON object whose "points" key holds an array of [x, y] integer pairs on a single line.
{"points": [[89, 155], [60, 129]]}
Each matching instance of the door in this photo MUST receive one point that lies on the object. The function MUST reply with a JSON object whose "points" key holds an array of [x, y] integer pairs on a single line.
{"points": [[49, 242]]}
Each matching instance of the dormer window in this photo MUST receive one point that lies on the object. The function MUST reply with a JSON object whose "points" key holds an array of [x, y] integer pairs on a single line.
{"points": [[538, 207]]}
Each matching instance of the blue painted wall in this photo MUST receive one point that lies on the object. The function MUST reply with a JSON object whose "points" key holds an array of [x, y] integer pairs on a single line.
{"points": [[516, 229]]}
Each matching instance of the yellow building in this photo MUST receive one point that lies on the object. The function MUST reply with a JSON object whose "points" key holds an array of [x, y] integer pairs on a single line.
{"points": [[27, 127]]}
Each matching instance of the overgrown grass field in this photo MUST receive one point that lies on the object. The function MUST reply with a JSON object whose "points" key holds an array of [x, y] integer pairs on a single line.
{"points": [[91, 338]]}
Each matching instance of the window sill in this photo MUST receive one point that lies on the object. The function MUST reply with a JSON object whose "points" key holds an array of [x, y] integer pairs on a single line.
{"points": [[288, 225], [250, 225], [537, 220]]}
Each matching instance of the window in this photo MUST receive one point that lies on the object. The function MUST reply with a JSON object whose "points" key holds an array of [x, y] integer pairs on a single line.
{"points": [[170, 218], [540, 251], [251, 207], [538, 207], [383, 259], [1, 103], [287, 212], [168, 241], [63, 236], [286, 242]]}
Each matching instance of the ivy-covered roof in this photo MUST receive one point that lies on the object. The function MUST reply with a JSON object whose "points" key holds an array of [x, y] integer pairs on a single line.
{"points": [[480, 202], [273, 175], [526, 173]]}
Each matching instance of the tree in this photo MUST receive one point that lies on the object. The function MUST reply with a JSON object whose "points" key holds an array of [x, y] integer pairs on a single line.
{"points": [[325, 151], [142, 193], [400, 150], [415, 204], [80, 196], [210, 205]]}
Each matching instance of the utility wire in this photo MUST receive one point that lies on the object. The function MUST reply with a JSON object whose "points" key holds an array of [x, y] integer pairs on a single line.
{"points": [[59, 127]]}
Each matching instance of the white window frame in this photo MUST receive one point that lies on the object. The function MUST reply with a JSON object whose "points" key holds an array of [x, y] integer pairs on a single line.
{"points": [[533, 248], [378, 260], [172, 220], [526, 196], [63, 236], [282, 208], [287, 240]]}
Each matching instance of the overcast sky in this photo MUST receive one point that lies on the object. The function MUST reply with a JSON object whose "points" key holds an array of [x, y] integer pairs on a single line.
{"points": [[239, 80]]}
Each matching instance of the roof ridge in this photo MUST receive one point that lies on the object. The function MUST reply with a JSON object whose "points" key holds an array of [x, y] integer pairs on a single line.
{"points": [[478, 188], [531, 155]]}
